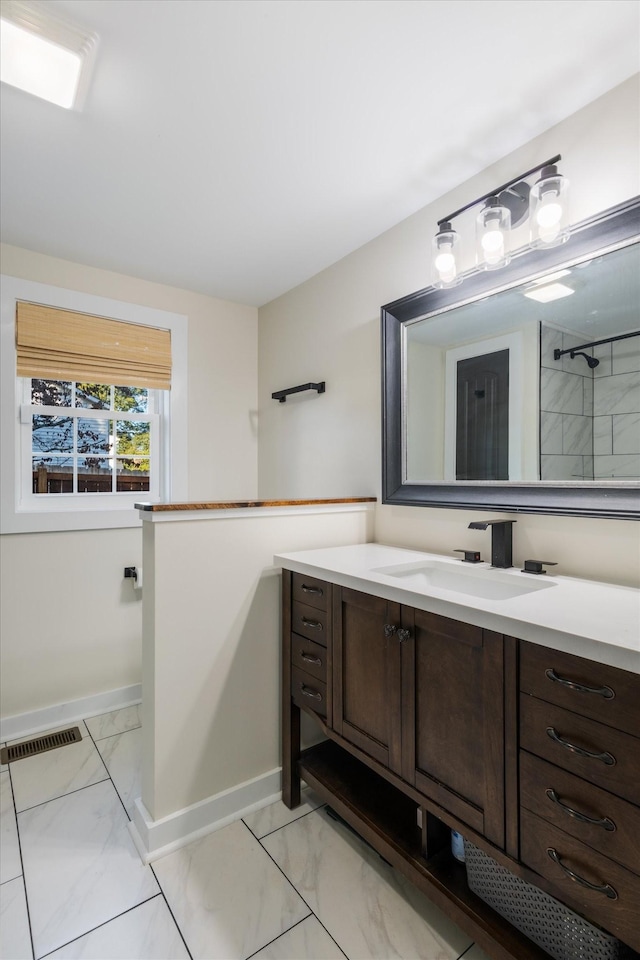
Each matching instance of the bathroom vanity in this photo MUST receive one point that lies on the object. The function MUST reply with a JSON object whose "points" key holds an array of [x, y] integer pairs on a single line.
{"points": [[502, 704]]}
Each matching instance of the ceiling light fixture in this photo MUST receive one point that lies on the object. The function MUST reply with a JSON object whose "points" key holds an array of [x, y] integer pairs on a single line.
{"points": [[505, 208], [552, 291], [45, 54]]}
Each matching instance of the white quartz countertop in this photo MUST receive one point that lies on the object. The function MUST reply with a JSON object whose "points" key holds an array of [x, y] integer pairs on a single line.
{"points": [[599, 621]]}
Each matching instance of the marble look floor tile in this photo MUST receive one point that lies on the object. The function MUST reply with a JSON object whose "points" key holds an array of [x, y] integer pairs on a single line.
{"points": [[228, 897], [276, 815], [117, 721], [80, 865], [10, 862], [308, 940], [369, 909], [122, 755], [80, 724], [147, 932], [55, 773], [15, 939]]}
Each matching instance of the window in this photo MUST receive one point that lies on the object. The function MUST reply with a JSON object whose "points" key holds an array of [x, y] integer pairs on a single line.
{"points": [[93, 430], [89, 438]]}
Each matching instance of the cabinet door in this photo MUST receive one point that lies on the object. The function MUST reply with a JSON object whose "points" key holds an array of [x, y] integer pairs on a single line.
{"points": [[454, 731], [366, 675]]}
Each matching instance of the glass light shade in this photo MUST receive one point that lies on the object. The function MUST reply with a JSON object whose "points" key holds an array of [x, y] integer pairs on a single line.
{"points": [[549, 209], [445, 270], [493, 228]]}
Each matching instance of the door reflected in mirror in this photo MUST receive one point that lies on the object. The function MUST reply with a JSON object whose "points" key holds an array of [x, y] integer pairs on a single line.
{"points": [[540, 381]]}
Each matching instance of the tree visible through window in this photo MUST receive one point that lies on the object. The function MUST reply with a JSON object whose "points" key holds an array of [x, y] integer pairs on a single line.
{"points": [[90, 437]]}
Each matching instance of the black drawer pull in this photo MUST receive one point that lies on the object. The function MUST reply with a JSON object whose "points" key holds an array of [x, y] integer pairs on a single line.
{"points": [[404, 635], [314, 624], [316, 591], [389, 630], [603, 822], [605, 888], [605, 692], [309, 657], [309, 692], [606, 757]]}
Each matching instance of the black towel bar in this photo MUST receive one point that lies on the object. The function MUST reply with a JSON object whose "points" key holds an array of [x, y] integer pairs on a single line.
{"points": [[281, 395]]}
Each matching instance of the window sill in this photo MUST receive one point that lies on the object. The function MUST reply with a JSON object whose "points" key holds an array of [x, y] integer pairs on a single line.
{"points": [[51, 521]]}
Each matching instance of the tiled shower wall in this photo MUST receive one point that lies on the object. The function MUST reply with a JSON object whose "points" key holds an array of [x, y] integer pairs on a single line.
{"points": [[589, 418], [616, 410]]}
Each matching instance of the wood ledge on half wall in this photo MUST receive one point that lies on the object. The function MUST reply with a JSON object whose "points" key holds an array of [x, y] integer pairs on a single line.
{"points": [[237, 504]]}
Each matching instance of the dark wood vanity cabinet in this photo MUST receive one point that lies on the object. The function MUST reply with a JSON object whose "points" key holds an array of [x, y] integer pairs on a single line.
{"points": [[580, 784], [506, 741], [454, 719], [367, 675]]}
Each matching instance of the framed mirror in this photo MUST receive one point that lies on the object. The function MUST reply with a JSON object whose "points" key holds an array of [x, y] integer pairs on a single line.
{"points": [[519, 390]]}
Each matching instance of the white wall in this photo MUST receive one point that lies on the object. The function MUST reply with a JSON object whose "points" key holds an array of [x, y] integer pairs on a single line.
{"points": [[328, 328], [211, 665], [69, 626]]}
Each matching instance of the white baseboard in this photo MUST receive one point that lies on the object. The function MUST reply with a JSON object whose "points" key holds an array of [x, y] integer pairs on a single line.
{"points": [[24, 724], [157, 838]]}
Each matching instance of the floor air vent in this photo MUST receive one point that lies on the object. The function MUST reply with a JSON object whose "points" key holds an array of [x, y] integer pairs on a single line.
{"points": [[40, 745]]}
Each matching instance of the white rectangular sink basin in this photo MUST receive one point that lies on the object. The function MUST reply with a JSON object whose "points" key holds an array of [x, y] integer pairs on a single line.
{"points": [[484, 582]]}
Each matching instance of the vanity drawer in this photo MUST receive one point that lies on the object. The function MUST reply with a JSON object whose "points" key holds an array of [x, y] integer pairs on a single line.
{"points": [[569, 803], [553, 854], [591, 689], [309, 622], [309, 590], [307, 691], [309, 656], [608, 758]]}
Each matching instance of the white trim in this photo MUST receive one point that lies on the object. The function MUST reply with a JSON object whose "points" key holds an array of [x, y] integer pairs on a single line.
{"points": [[26, 724], [13, 518], [513, 342], [241, 513], [157, 838]]}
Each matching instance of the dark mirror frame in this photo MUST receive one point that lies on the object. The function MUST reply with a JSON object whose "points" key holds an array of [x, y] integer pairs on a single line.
{"points": [[613, 227]]}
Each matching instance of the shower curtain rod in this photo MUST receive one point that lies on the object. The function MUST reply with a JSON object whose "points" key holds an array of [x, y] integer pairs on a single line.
{"points": [[594, 343]]}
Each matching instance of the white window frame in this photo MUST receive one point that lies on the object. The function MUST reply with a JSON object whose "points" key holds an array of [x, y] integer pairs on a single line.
{"points": [[155, 417], [23, 512]]}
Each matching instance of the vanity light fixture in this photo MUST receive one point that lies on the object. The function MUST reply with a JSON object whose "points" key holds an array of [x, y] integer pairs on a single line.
{"points": [[45, 54], [445, 245], [549, 210], [493, 227], [505, 208]]}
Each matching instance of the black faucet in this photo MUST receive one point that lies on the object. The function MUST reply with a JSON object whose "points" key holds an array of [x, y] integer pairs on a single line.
{"points": [[501, 540]]}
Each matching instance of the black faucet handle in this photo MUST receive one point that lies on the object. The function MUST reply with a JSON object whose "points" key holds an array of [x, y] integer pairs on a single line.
{"points": [[535, 566], [470, 556], [483, 524]]}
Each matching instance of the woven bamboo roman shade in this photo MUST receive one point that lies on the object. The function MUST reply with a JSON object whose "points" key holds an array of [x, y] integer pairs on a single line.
{"points": [[63, 345]]}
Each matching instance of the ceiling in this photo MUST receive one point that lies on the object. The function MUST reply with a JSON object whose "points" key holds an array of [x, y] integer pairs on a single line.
{"points": [[237, 147]]}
